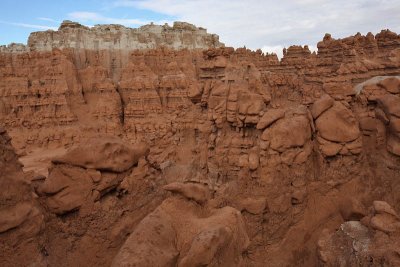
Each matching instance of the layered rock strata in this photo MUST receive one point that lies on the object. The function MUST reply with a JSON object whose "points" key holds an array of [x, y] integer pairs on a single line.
{"points": [[266, 159]]}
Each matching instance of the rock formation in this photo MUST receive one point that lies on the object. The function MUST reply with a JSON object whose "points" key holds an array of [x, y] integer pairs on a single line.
{"points": [[87, 172], [372, 241], [117, 37], [193, 235], [21, 217], [162, 147]]}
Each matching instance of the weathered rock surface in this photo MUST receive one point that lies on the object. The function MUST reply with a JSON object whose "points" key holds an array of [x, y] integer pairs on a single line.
{"points": [[196, 192], [250, 157], [270, 117], [104, 154], [338, 124], [289, 133], [385, 218], [321, 105], [388, 113], [21, 218], [390, 105], [170, 236], [104, 37], [392, 85], [87, 172]]}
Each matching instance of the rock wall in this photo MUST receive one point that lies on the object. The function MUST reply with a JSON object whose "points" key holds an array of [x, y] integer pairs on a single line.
{"points": [[73, 35], [297, 147]]}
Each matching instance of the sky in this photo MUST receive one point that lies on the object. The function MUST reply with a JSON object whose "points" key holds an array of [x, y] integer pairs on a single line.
{"points": [[267, 24]]}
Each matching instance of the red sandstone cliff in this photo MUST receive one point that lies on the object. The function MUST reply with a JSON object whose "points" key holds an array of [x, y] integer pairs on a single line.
{"points": [[268, 161]]}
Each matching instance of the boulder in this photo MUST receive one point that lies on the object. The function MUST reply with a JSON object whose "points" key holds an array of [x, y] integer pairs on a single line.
{"points": [[354, 147], [193, 191], [328, 148], [206, 245], [67, 188], [182, 233], [392, 85], [14, 216], [270, 117], [390, 104], [385, 222], [289, 133], [105, 153], [383, 218], [338, 124], [250, 105], [321, 105], [382, 207], [153, 243], [87, 172]]}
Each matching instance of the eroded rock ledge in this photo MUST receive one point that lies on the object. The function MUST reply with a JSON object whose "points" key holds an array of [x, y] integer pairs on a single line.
{"points": [[104, 37]]}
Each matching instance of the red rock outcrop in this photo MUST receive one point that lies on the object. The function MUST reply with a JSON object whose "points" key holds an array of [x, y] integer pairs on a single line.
{"points": [[21, 218], [265, 159], [192, 235], [88, 171]]}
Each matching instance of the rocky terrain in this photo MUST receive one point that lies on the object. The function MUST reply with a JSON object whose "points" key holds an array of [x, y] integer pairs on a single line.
{"points": [[159, 146]]}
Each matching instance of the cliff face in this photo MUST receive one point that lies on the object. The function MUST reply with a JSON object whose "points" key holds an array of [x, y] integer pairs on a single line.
{"points": [[287, 149], [117, 37]]}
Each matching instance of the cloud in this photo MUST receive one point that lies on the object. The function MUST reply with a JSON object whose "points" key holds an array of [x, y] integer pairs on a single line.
{"points": [[31, 26], [48, 19], [93, 17], [277, 49], [125, 3], [272, 24]]}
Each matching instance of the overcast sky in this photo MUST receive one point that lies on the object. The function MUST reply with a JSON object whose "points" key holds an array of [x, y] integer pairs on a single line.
{"points": [[270, 25]]}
